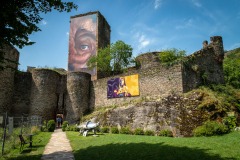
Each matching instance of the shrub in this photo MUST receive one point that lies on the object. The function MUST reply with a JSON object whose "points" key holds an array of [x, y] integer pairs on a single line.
{"points": [[64, 125], [35, 130], [230, 122], [166, 133], [149, 133], [170, 55], [114, 130], [67, 128], [51, 125], [210, 128], [105, 129], [72, 128], [138, 131], [125, 130], [44, 126]]}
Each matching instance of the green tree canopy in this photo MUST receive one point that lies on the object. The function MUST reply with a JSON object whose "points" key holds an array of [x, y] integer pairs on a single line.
{"points": [[102, 60], [19, 19], [121, 54], [171, 55], [231, 68], [115, 57]]}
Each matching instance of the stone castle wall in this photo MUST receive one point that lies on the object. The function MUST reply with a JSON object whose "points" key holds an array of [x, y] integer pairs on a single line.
{"points": [[22, 93], [77, 100], [156, 82], [7, 77], [45, 92], [204, 66]]}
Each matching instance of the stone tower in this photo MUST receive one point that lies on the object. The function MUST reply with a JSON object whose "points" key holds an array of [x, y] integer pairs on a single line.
{"points": [[88, 33]]}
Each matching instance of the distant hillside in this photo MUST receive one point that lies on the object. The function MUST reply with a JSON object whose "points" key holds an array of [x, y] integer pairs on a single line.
{"points": [[231, 67], [235, 53]]}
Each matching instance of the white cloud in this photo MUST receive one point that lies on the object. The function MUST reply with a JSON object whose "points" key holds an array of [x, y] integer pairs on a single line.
{"points": [[67, 33], [235, 45], [43, 22], [196, 3], [157, 4], [142, 41]]}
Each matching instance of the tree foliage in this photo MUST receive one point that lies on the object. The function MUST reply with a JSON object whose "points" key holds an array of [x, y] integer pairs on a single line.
{"points": [[19, 19], [102, 60], [231, 67], [115, 57], [171, 55], [121, 54]]}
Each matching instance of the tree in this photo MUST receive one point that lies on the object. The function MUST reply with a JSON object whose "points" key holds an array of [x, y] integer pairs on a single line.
{"points": [[115, 57], [231, 68], [121, 54], [171, 55], [19, 19], [102, 60]]}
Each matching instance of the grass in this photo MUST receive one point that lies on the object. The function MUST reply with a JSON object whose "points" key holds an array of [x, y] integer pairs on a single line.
{"points": [[39, 142], [132, 147]]}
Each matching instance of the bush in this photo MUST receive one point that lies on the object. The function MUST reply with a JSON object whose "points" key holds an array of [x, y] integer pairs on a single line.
{"points": [[35, 130], [210, 128], [105, 129], [44, 127], [125, 130], [230, 122], [51, 125], [149, 133], [67, 128], [171, 55], [64, 125], [166, 133], [71, 128], [114, 130], [138, 131]]}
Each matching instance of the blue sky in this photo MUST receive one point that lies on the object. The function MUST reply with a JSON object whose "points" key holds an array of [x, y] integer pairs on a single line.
{"points": [[146, 25]]}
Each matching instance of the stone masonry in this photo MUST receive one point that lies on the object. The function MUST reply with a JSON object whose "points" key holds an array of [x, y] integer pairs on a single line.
{"points": [[46, 92]]}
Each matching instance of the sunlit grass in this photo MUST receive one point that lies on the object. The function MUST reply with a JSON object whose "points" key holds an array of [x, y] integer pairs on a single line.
{"points": [[132, 147], [40, 140]]}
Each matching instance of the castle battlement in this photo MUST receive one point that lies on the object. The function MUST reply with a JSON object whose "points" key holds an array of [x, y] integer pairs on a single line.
{"points": [[45, 92]]}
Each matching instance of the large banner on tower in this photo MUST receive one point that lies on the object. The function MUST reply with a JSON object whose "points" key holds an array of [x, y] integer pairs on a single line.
{"points": [[126, 86], [82, 42]]}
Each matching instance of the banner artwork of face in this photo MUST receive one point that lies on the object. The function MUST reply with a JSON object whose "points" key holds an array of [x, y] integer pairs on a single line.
{"points": [[82, 42], [126, 86]]}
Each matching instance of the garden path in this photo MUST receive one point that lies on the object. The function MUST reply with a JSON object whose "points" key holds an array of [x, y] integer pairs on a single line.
{"points": [[58, 148]]}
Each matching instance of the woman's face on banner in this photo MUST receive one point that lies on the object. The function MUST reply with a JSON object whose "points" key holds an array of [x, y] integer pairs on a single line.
{"points": [[85, 46]]}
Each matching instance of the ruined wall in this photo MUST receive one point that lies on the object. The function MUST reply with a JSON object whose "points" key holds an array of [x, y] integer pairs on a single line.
{"points": [[204, 66], [77, 99], [7, 77], [45, 92], [154, 82]]}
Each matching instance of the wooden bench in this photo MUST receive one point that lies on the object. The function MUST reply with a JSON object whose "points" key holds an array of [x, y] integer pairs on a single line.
{"points": [[23, 142]]}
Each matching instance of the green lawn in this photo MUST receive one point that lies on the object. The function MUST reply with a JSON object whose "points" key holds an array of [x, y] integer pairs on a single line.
{"points": [[131, 147], [39, 142]]}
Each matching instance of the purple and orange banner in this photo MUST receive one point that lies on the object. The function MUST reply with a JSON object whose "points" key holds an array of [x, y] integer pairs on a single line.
{"points": [[126, 86]]}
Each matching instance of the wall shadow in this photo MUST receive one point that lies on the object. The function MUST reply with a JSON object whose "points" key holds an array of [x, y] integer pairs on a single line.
{"points": [[56, 155], [144, 151]]}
